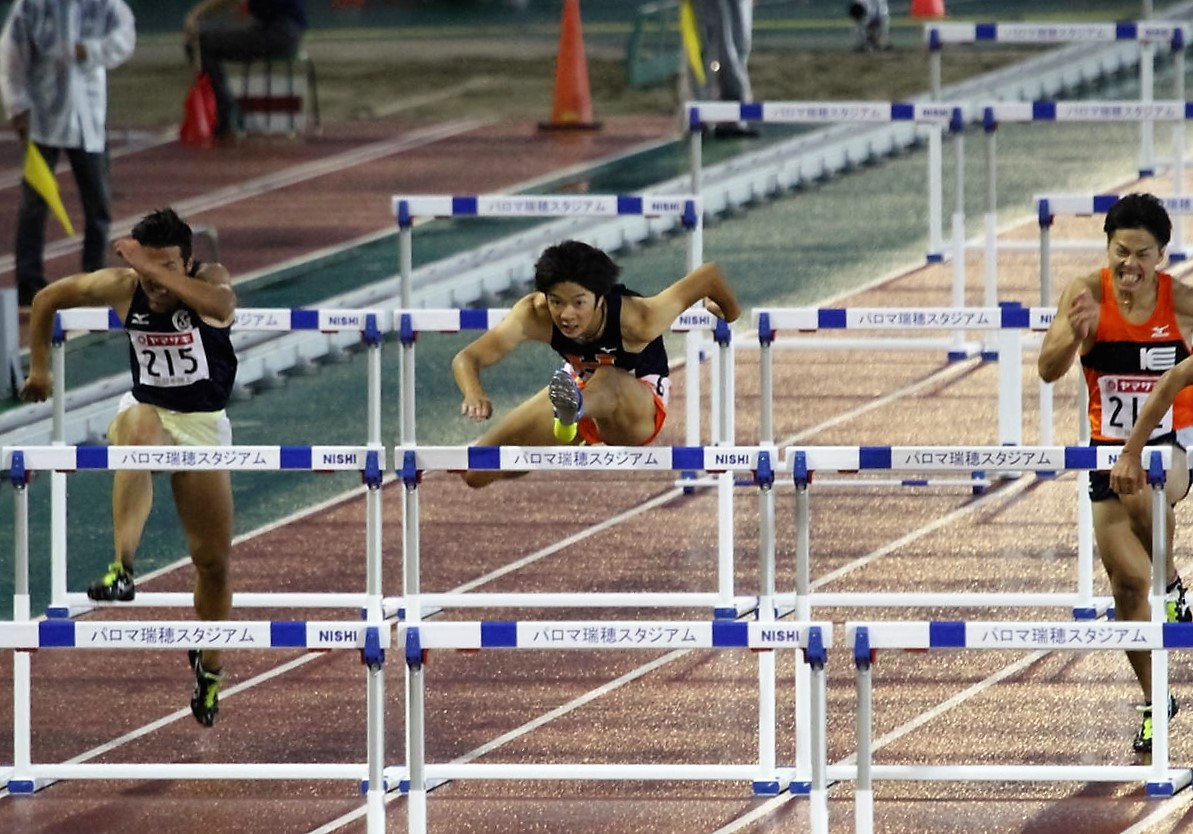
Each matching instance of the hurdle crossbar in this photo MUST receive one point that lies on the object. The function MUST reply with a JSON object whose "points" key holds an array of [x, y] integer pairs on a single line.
{"points": [[811, 638]]}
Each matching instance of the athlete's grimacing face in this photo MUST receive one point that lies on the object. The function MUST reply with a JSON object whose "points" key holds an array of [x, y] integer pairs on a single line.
{"points": [[574, 310], [169, 258], [1133, 256]]}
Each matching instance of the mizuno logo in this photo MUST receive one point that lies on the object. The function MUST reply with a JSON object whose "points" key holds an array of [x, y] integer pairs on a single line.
{"points": [[607, 350], [140, 318], [1159, 331]]}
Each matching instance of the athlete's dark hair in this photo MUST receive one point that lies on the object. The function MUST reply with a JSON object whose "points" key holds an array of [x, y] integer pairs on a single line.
{"points": [[1139, 211], [163, 228], [576, 262]]}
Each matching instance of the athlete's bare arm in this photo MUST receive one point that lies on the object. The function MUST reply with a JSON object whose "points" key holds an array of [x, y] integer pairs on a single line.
{"points": [[528, 320], [112, 287], [1073, 329], [211, 295], [645, 319], [1182, 305]]}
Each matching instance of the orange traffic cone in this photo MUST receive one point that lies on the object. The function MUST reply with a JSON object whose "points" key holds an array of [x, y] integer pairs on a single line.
{"points": [[572, 108], [927, 8]]}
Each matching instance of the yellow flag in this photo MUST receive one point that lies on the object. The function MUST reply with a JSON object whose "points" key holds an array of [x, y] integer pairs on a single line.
{"points": [[691, 39], [41, 179]]}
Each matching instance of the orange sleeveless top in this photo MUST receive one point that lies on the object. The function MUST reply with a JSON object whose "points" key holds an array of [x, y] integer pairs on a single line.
{"points": [[1124, 363]]}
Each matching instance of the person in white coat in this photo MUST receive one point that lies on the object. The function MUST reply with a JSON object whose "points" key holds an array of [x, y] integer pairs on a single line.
{"points": [[54, 58]]}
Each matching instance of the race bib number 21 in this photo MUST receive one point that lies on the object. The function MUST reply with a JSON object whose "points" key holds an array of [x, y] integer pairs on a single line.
{"points": [[1122, 400]]}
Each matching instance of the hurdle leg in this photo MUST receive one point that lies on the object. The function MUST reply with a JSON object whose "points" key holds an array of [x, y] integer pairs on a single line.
{"points": [[20, 780], [766, 783], [416, 751], [863, 797], [1010, 387], [803, 705], [58, 606], [935, 209]]}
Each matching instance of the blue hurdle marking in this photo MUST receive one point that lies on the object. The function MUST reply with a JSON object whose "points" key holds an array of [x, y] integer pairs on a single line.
{"points": [[193, 634], [174, 458]]}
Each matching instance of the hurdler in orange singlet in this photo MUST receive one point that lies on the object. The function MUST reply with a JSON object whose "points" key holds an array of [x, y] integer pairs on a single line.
{"points": [[1122, 368]]}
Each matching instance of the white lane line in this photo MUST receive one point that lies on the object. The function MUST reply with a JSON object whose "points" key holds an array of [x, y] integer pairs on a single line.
{"points": [[1177, 804], [291, 175]]}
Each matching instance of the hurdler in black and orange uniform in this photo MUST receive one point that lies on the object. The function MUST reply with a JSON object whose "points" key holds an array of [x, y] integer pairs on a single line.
{"points": [[649, 366], [1130, 324]]}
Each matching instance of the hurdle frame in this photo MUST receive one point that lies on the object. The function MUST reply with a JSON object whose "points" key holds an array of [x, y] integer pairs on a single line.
{"points": [[1010, 320], [371, 637], [1147, 33], [684, 209], [934, 116], [370, 323], [1156, 635], [811, 638], [761, 462]]}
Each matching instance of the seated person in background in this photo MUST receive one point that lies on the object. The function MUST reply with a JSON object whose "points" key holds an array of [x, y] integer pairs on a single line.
{"points": [[273, 29], [613, 387], [872, 23]]}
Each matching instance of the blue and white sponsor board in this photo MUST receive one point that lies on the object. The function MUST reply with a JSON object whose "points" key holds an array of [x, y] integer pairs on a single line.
{"points": [[615, 634]]}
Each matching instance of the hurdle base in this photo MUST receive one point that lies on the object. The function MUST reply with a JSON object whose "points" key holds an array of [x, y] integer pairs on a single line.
{"points": [[386, 786], [935, 258], [800, 788], [1177, 780], [767, 787], [28, 787]]}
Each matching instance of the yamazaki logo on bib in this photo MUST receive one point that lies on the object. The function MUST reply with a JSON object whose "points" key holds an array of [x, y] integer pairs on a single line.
{"points": [[1130, 386]]}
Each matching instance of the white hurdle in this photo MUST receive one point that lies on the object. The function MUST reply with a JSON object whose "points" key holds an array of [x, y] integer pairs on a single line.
{"points": [[934, 116], [681, 209], [1176, 111], [803, 461], [371, 637], [369, 323], [811, 638], [1147, 33], [1160, 779], [760, 462], [1009, 321]]}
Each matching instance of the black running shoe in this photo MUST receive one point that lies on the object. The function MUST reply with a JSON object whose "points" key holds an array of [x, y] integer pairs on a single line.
{"points": [[115, 585], [205, 700], [567, 403], [1176, 607], [1143, 739]]}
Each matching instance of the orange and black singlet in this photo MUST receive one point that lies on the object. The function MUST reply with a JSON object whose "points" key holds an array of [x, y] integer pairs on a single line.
{"points": [[1125, 362]]}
